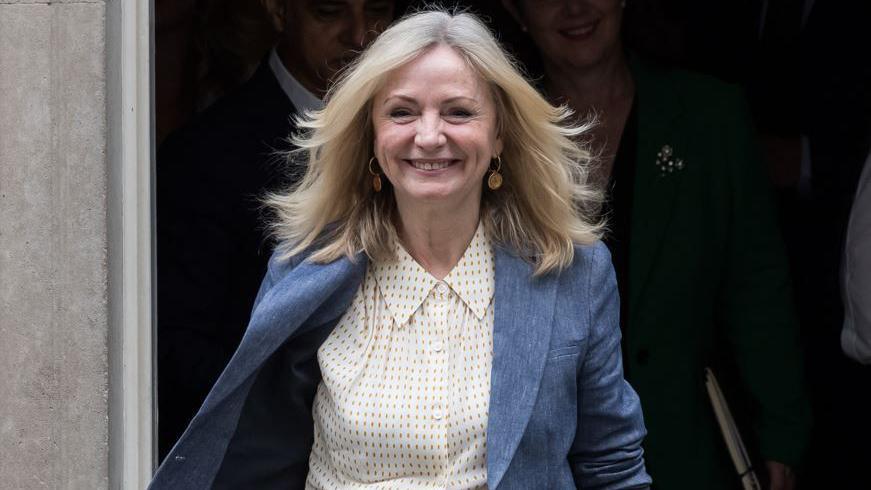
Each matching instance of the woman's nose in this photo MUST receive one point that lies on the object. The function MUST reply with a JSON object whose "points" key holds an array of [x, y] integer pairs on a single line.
{"points": [[429, 132]]}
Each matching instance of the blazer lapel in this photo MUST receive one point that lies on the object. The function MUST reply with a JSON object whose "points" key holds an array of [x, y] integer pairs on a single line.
{"points": [[309, 295], [521, 336], [304, 297], [659, 107]]}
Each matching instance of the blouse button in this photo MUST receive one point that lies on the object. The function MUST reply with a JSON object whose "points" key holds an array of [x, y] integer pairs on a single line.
{"points": [[437, 413], [442, 288], [437, 346]]}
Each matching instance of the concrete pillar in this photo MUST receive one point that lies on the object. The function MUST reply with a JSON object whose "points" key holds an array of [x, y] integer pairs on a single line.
{"points": [[54, 312]]}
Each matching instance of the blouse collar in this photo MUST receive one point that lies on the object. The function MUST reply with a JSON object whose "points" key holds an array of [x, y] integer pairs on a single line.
{"points": [[405, 285]]}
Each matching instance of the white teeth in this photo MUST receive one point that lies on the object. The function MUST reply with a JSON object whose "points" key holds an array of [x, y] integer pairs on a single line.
{"points": [[579, 31], [430, 165]]}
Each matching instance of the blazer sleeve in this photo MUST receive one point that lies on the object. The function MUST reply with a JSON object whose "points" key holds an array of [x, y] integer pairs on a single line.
{"points": [[856, 275], [756, 302], [606, 452]]}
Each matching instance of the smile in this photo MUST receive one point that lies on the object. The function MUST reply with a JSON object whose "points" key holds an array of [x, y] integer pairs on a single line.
{"points": [[430, 164], [579, 32]]}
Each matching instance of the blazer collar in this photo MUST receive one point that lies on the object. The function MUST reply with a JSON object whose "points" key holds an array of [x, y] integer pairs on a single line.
{"points": [[660, 109], [522, 327]]}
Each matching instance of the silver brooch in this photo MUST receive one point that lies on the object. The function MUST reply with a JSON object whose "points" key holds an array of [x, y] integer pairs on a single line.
{"points": [[667, 162]]}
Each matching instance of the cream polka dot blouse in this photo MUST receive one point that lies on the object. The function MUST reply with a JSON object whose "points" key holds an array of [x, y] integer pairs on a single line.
{"points": [[406, 379]]}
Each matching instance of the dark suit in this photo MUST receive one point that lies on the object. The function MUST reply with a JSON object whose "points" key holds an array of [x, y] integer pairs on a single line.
{"points": [[211, 250], [707, 275]]}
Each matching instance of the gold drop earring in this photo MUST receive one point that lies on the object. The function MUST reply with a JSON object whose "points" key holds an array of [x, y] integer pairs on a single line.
{"points": [[494, 181], [376, 177]]}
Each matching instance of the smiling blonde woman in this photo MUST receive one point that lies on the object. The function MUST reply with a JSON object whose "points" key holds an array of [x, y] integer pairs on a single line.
{"points": [[439, 313], [537, 210]]}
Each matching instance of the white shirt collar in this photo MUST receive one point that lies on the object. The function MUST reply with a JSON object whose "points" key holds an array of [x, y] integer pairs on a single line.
{"points": [[302, 99], [404, 284]]}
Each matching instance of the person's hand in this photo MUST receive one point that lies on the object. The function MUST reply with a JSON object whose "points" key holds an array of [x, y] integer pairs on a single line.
{"points": [[780, 476]]}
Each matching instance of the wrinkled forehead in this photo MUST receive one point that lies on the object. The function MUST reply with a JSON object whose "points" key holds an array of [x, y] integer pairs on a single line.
{"points": [[439, 66]]}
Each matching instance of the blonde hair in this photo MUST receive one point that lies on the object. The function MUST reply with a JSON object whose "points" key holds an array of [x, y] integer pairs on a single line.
{"points": [[543, 208]]}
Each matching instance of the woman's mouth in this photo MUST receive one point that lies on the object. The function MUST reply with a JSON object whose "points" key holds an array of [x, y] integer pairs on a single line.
{"points": [[430, 165], [579, 32]]}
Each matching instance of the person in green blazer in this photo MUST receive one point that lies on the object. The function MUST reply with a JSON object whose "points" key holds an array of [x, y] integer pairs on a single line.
{"points": [[700, 266]]}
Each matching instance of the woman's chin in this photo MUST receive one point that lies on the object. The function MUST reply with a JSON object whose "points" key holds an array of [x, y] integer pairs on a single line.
{"points": [[432, 194]]}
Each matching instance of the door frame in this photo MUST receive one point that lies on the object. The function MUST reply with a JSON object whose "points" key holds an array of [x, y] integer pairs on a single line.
{"points": [[130, 219]]}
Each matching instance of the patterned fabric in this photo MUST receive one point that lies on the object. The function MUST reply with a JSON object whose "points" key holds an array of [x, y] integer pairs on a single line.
{"points": [[561, 415], [406, 379]]}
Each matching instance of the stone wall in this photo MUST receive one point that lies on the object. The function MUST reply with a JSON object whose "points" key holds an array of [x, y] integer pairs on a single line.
{"points": [[53, 257]]}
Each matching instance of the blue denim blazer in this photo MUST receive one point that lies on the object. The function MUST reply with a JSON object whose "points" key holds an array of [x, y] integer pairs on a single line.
{"points": [[561, 414]]}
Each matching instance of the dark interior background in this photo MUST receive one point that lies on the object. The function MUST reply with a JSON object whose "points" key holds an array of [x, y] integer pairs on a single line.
{"points": [[806, 71]]}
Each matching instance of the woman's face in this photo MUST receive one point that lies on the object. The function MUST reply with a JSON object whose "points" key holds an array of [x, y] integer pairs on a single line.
{"points": [[435, 131], [572, 34]]}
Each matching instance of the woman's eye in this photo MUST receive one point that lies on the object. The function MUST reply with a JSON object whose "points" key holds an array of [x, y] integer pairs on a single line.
{"points": [[460, 113], [328, 13], [400, 113]]}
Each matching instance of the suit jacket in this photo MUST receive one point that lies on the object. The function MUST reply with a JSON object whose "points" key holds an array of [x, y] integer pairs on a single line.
{"points": [[561, 413], [856, 274], [211, 250], [707, 275]]}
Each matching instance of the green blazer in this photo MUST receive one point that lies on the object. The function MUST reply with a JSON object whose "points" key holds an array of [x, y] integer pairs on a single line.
{"points": [[706, 271]]}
